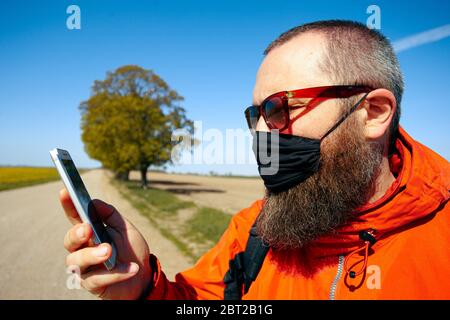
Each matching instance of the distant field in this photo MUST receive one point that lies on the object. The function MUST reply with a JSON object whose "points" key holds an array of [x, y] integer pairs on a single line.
{"points": [[228, 194], [17, 177]]}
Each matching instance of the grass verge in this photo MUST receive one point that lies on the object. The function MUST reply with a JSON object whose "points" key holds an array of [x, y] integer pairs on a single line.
{"points": [[207, 225], [192, 228]]}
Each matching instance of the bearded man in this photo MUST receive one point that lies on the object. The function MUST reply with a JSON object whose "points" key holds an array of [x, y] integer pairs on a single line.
{"points": [[354, 207]]}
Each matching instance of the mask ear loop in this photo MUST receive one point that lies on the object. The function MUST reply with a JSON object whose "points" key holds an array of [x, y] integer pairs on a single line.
{"points": [[345, 116]]}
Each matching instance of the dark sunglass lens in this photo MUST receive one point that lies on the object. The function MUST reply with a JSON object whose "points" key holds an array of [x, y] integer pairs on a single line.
{"points": [[252, 116], [274, 113]]}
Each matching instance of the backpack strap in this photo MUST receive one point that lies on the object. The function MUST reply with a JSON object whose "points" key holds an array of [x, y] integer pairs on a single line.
{"points": [[245, 266]]}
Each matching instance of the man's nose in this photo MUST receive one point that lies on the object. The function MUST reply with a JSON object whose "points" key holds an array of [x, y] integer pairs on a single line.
{"points": [[261, 125]]}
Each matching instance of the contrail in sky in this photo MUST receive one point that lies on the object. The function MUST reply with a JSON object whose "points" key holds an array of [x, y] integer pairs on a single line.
{"points": [[422, 38]]}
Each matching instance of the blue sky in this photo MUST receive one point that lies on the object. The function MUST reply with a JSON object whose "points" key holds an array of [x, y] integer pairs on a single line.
{"points": [[209, 51]]}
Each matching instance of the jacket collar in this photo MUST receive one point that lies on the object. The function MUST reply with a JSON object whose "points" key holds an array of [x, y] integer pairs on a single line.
{"points": [[422, 185]]}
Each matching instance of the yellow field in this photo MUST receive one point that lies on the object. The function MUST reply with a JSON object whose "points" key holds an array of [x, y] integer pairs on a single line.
{"points": [[16, 177]]}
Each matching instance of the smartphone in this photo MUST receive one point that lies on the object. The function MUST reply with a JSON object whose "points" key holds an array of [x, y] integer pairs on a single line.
{"points": [[82, 201]]}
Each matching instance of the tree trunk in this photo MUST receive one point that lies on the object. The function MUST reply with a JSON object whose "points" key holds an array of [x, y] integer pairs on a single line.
{"points": [[123, 176], [144, 182]]}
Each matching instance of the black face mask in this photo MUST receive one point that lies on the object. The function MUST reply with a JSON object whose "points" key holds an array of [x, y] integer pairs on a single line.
{"points": [[286, 160]]}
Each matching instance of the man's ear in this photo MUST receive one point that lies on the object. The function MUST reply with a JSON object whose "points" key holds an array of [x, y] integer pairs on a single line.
{"points": [[380, 107]]}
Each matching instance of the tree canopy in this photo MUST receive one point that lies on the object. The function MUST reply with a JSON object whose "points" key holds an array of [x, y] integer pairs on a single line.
{"points": [[128, 120]]}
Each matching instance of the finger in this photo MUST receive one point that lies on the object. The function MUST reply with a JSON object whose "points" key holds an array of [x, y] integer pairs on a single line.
{"points": [[108, 214], [68, 206], [96, 281], [89, 257], [77, 237]]}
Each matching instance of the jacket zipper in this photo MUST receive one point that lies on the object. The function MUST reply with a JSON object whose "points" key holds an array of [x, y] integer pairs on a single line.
{"points": [[337, 277]]}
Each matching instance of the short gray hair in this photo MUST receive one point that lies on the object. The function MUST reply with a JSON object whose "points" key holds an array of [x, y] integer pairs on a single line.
{"points": [[356, 55]]}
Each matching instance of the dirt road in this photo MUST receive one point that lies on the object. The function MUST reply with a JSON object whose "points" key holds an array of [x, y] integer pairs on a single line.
{"points": [[226, 193], [32, 228]]}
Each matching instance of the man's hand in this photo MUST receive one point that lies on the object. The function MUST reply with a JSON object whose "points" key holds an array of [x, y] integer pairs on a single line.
{"points": [[132, 272]]}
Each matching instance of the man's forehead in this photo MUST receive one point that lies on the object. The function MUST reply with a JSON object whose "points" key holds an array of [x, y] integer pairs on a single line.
{"points": [[293, 65]]}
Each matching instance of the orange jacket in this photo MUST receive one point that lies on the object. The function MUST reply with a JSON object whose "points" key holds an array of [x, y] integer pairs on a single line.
{"points": [[410, 260]]}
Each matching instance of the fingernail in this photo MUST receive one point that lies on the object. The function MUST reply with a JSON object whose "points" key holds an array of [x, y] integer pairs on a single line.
{"points": [[80, 232], [101, 251], [133, 268]]}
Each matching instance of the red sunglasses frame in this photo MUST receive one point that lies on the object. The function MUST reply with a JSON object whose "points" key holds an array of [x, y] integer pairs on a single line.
{"points": [[318, 95]]}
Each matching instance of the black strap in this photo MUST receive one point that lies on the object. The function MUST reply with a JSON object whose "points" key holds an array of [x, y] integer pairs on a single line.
{"points": [[345, 116], [245, 266]]}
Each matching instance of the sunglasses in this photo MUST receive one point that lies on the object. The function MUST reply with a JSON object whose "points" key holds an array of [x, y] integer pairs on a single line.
{"points": [[275, 108]]}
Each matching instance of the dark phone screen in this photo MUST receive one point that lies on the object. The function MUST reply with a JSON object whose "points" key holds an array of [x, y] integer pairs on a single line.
{"points": [[85, 200]]}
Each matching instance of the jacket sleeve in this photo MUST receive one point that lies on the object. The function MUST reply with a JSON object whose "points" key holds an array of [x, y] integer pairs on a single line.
{"points": [[205, 279]]}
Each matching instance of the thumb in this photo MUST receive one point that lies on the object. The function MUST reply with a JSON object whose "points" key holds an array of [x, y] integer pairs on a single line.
{"points": [[100, 210]]}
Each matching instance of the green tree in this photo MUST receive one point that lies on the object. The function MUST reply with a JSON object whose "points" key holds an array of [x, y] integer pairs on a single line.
{"points": [[128, 120]]}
